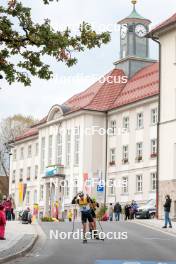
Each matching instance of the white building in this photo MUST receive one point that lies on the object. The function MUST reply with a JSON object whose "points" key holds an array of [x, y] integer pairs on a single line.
{"points": [[69, 145], [165, 33]]}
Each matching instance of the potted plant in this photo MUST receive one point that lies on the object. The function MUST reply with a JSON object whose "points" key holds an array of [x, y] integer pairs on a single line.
{"points": [[111, 163]]}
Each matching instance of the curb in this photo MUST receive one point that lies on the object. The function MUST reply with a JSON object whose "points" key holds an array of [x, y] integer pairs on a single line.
{"points": [[156, 228], [23, 252]]}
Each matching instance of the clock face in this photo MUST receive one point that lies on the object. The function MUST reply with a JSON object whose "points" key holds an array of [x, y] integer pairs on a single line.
{"points": [[124, 30], [140, 30]]}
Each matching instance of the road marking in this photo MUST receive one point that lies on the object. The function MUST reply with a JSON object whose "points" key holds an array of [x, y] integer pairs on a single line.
{"points": [[156, 238]]}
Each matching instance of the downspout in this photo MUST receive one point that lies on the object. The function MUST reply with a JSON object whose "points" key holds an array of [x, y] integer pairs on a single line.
{"points": [[106, 158], [158, 130]]}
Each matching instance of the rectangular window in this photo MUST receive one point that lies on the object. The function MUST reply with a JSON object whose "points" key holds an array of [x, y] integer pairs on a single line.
{"points": [[13, 176], [22, 153], [139, 183], [66, 189], [75, 187], [125, 154], [36, 149], [111, 187], [21, 175], [139, 151], [59, 149], [68, 148], [125, 185], [36, 172], [126, 122], [14, 154], [140, 121], [154, 116], [153, 148], [27, 197], [29, 151], [113, 127], [28, 173], [50, 149], [153, 181], [77, 146], [42, 154], [41, 192], [112, 156]]}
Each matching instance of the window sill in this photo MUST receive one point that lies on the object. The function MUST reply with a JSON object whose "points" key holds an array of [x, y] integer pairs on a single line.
{"points": [[136, 193], [124, 194]]}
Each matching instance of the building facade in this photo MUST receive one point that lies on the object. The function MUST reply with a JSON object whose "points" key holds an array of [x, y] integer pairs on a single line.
{"points": [[108, 132], [165, 33]]}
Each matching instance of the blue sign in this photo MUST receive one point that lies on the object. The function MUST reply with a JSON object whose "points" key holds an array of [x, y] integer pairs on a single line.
{"points": [[100, 188], [132, 262]]}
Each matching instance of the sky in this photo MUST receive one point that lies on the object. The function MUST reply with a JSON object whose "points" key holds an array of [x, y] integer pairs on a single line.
{"points": [[37, 99]]}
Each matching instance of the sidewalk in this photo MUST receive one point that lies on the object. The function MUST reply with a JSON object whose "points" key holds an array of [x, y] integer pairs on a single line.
{"points": [[157, 225], [19, 240]]}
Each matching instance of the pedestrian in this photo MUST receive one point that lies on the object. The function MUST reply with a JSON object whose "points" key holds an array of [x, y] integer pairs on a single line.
{"points": [[13, 207], [117, 211], [8, 209], [127, 211], [167, 207], [26, 216], [111, 212], [133, 209], [2, 222], [70, 215]]}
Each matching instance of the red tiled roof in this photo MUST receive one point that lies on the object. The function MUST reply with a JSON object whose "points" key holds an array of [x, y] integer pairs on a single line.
{"points": [[107, 96], [144, 84], [168, 22], [28, 133], [100, 95]]}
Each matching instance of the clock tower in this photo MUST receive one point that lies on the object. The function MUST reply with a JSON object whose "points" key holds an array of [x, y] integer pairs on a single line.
{"points": [[134, 46]]}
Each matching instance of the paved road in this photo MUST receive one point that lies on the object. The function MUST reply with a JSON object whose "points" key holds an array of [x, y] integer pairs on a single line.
{"points": [[142, 244]]}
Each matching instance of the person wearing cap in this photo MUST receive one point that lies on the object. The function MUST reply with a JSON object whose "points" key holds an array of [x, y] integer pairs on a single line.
{"points": [[2, 222], [84, 203]]}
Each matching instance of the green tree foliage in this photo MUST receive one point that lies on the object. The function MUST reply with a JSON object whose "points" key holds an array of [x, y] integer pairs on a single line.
{"points": [[20, 36]]}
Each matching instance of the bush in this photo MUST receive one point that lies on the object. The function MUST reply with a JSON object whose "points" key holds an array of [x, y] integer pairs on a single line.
{"points": [[101, 212], [47, 219]]}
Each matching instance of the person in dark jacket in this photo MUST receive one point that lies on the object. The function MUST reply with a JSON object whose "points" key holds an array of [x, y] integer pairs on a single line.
{"points": [[167, 207], [117, 211], [127, 211]]}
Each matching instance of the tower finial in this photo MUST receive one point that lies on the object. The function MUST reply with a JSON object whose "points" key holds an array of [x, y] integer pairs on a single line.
{"points": [[134, 2]]}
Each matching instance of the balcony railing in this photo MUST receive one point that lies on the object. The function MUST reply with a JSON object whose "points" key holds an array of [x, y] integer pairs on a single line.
{"points": [[54, 170]]}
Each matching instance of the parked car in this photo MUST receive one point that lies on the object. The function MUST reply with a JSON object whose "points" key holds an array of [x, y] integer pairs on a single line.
{"points": [[147, 211]]}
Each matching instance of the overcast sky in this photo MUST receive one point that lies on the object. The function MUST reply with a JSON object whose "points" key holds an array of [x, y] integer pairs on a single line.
{"points": [[39, 98]]}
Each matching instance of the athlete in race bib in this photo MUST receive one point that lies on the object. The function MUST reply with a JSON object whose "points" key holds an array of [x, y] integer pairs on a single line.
{"points": [[84, 203]]}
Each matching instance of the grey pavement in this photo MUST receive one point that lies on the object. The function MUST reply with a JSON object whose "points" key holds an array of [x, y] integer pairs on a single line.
{"points": [[157, 224], [19, 239], [143, 244]]}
